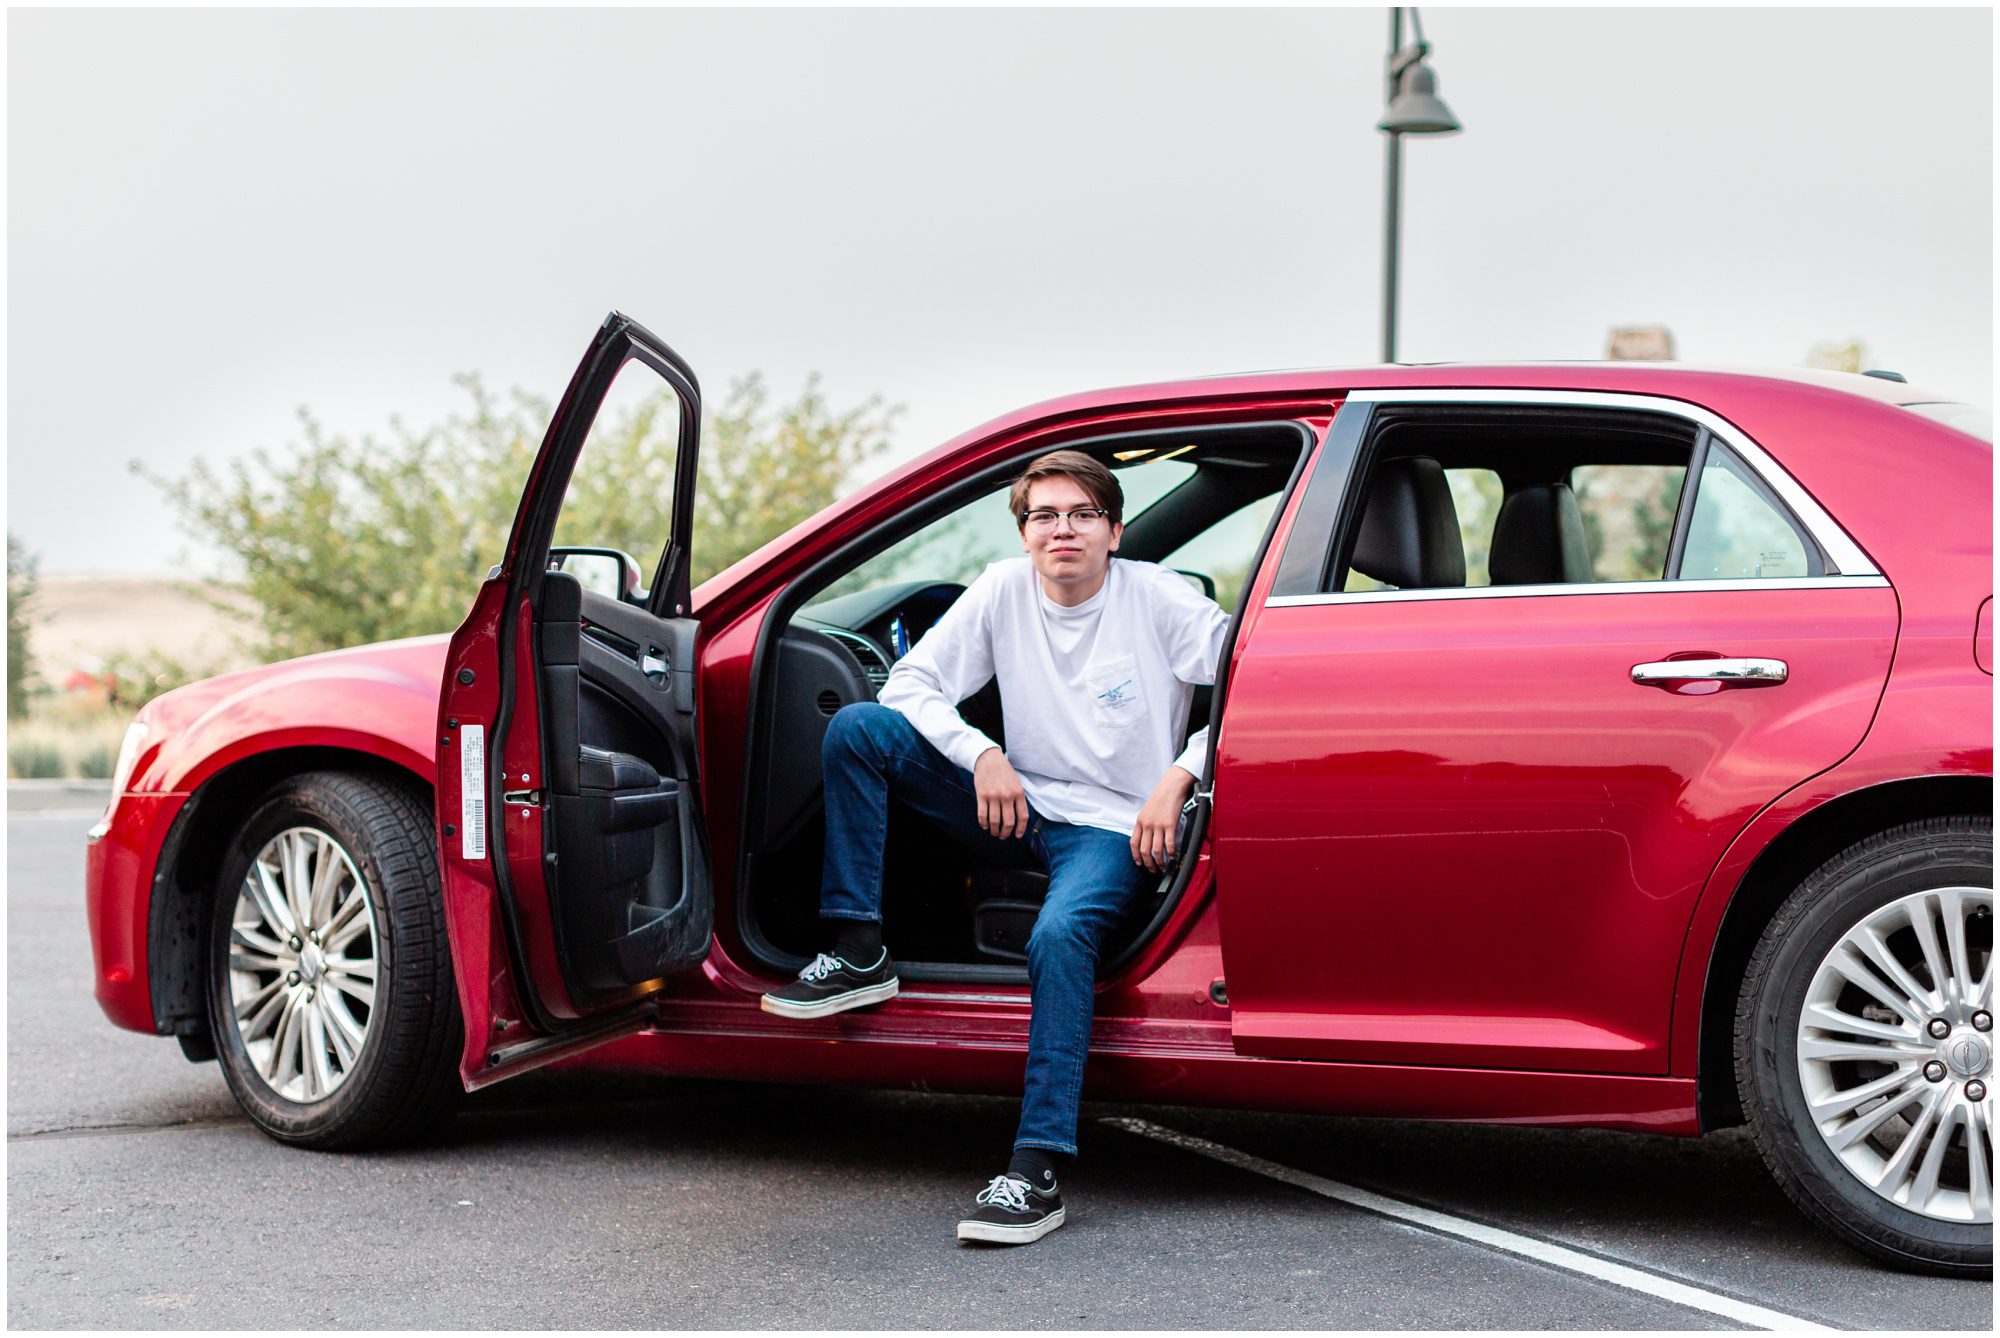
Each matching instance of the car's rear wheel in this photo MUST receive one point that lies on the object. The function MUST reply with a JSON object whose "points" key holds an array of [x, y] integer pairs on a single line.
{"points": [[1864, 1045], [330, 989]]}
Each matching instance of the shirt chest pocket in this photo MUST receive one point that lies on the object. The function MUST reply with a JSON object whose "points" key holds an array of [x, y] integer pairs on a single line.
{"points": [[1116, 698]]}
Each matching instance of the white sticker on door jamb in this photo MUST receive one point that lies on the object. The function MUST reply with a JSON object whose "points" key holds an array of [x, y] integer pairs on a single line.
{"points": [[472, 791]]}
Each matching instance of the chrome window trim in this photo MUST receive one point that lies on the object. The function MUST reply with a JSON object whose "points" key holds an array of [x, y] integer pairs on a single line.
{"points": [[1597, 588], [1845, 553]]}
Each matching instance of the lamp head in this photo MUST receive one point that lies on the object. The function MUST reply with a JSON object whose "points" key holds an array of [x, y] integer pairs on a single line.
{"points": [[1417, 109]]}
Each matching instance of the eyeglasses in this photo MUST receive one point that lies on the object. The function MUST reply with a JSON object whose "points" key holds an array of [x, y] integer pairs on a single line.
{"points": [[1083, 518]]}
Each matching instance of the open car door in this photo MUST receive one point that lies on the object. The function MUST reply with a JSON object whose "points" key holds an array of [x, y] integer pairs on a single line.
{"points": [[569, 826]]}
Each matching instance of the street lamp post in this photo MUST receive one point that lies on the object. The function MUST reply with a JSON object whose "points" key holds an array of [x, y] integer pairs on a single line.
{"points": [[1414, 109]]}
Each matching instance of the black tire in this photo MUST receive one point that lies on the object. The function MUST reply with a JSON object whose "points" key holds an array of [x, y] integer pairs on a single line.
{"points": [[1833, 900], [403, 1084]]}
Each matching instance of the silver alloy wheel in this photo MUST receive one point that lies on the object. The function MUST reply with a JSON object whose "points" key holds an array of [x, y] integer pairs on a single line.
{"points": [[302, 959], [1896, 1052]]}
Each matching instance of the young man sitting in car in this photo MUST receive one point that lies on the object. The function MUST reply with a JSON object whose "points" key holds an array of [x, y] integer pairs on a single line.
{"points": [[1097, 661]]}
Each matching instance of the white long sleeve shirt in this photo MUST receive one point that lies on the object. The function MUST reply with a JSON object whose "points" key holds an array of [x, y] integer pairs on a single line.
{"points": [[1093, 697]]}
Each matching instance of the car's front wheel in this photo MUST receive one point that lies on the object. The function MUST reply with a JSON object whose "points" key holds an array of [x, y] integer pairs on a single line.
{"points": [[1864, 1045], [330, 989]]}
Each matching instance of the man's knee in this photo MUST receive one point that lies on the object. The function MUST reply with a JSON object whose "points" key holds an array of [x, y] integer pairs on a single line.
{"points": [[859, 727], [1063, 935]]}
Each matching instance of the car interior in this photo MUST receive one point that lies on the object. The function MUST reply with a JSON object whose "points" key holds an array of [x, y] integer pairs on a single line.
{"points": [[1199, 501]]}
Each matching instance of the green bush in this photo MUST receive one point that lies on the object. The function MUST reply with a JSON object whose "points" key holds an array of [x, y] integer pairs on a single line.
{"points": [[31, 758], [137, 679], [20, 597], [66, 737], [94, 759], [342, 542]]}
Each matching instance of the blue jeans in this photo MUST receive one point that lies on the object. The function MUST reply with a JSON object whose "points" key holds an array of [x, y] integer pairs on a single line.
{"points": [[872, 753]]}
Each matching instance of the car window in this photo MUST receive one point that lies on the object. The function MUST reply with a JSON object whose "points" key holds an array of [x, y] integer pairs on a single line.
{"points": [[958, 546], [1475, 497], [1534, 496], [1738, 531], [621, 492], [1628, 517], [1224, 551]]}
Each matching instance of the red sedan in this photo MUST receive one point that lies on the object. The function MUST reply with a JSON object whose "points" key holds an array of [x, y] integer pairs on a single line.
{"points": [[1601, 745]]}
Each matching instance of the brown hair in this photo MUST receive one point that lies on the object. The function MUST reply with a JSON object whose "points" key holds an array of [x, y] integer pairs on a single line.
{"points": [[1087, 473]]}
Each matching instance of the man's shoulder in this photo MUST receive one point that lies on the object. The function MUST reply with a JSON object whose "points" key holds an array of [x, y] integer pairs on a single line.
{"points": [[1146, 572], [999, 584], [1005, 574], [1151, 576]]}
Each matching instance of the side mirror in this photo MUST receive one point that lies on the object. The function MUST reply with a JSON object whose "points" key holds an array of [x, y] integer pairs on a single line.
{"points": [[603, 571], [1201, 581]]}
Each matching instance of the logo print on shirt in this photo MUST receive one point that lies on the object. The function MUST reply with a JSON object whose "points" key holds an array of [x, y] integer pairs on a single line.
{"points": [[1117, 693]]}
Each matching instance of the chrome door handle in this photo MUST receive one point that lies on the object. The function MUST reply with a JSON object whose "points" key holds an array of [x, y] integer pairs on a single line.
{"points": [[1720, 671]]}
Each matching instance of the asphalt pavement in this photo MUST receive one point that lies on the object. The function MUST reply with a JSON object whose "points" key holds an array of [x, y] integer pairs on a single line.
{"points": [[138, 1197]]}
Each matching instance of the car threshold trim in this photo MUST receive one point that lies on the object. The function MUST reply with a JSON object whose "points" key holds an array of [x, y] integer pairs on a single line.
{"points": [[1628, 1276]]}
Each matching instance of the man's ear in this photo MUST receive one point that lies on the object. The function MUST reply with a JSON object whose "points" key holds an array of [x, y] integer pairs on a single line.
{"points": [[1117, 533]]}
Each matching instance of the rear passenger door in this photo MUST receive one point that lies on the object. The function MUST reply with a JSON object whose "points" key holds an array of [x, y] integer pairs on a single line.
{"points": [[1464, 809]]}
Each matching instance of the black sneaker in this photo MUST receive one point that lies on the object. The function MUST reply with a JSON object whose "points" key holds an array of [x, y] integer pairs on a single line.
{"points": [[833, 985], [1013, 1212]]}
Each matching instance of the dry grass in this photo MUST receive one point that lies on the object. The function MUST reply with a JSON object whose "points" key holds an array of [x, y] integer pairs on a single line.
{"points": [[73, 737], [91, 624]]}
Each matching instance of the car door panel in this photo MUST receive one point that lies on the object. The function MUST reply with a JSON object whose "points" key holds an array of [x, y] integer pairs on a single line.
{"points": [[569, 717], [1455, 831]]}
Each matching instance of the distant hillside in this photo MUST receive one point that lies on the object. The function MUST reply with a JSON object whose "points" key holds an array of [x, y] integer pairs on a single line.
{"points": [[76, 622]]}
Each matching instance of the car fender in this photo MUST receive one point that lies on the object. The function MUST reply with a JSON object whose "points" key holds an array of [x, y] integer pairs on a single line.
{"points": [[1918, 737], [378, 700]]}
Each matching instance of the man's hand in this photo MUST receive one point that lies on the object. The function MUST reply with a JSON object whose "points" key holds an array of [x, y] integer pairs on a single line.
{"points": [[1153, 835], [1003, 804]]}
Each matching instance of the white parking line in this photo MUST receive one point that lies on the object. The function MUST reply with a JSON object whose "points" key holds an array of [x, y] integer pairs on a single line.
{"points": [[1495, 1238]]}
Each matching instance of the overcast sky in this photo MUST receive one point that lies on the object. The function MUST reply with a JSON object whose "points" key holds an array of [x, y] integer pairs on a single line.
{"points": [[215, 218]]}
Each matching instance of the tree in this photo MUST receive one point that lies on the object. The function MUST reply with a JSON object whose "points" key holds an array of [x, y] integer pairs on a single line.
{"points": [[1844, 355], [763, 472], [340, 541], [20, 593]]}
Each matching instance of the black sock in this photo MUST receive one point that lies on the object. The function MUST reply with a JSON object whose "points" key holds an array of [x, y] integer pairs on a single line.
{"points": [[1037, 1166], [857, 942]]}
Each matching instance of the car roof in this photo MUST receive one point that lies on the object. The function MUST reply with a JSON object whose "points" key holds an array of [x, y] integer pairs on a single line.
{"points": [[1538, 374], [1712, 386]]}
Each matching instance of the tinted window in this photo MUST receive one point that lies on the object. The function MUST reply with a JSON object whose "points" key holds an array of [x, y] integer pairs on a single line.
{"points": [[1475, 496], [1628, 517], [1475, 493], [1739, 531]]}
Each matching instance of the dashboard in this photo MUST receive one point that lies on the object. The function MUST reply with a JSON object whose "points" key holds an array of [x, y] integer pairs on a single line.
{"points": [[832, 654], [878, 626]]}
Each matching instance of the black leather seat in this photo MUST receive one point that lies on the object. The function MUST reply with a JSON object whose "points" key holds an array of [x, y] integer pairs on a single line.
{"points": [[1538, 538], [1409, 529]]}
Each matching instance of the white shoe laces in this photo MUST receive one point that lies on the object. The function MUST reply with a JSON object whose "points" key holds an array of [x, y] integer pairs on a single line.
{"points": [[822, 966], [1006, 1191]]}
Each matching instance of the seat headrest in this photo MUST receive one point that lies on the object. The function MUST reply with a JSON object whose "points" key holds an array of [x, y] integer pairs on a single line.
{"points": [[1538, 538], [1409, 530]]}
